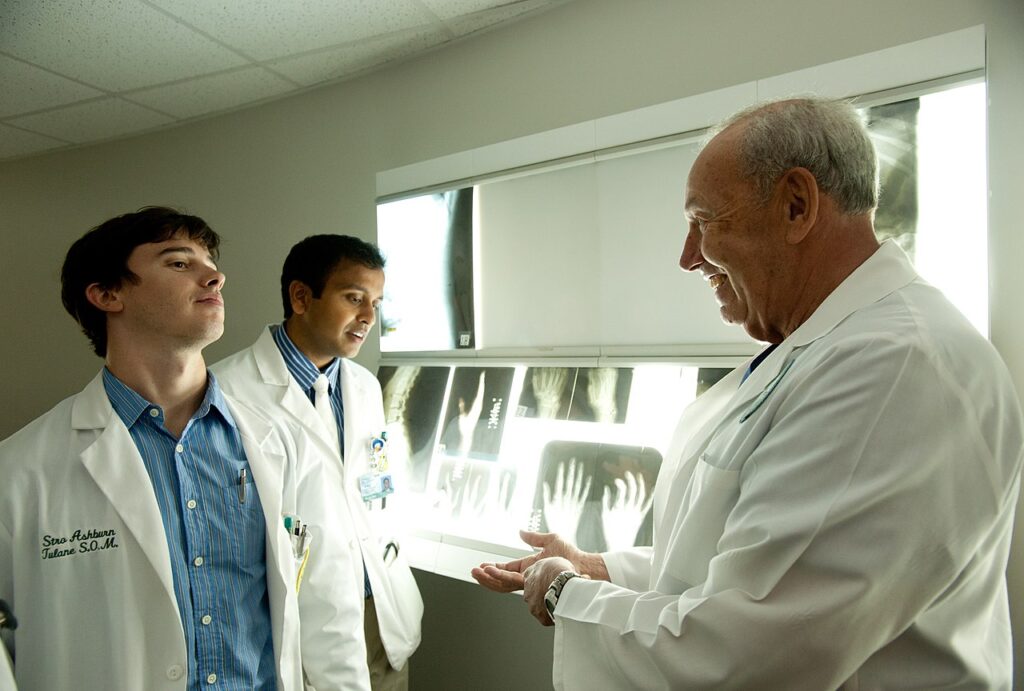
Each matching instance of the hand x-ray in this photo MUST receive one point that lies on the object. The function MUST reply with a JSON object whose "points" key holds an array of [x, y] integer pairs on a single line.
{"points": [[477, 408], [597, 495]]}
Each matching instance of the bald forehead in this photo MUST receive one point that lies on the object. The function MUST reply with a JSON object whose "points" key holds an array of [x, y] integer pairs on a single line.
{"points": [[715, 169]]}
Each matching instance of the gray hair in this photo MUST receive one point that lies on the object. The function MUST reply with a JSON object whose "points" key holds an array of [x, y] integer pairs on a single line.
{"points": [[827, 137]]}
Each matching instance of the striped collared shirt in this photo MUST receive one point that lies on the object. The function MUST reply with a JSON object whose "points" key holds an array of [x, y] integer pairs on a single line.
{"points": [[217, 543]]}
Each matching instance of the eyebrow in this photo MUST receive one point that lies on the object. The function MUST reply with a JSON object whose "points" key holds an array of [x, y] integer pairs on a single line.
{"points": [[360, 287], [185, 249], [172, 250]]}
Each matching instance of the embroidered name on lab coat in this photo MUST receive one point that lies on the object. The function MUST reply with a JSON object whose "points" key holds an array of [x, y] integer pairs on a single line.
{"points": [[766, 392], [78, 542]]}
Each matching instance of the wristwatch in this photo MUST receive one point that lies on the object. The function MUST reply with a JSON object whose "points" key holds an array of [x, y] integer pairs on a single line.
{"points": [[555, 590]]}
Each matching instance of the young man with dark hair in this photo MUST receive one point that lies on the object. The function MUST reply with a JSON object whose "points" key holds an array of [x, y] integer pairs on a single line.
{"points": [[300, 371], [142, 544]]}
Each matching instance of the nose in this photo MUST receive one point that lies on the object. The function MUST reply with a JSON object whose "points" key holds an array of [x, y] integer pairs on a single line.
{"points": [[691, 258], [215, 279], [367, 314]]}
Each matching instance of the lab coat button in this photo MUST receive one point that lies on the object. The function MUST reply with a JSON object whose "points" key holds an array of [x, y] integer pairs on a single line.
{"points": [[191, 503], [211, 679], [198, 561], [206, 619], [174, 672]]}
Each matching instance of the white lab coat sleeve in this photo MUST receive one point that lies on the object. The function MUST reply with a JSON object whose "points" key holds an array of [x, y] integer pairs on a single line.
{"points": [[331, 597], [6, 581], [868, 494], [629, 568]]}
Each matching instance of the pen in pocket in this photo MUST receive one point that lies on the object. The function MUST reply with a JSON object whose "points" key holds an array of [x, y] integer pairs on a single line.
{"points": [[242, 475]]}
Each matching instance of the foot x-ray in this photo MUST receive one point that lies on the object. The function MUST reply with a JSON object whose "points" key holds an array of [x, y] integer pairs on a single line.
{"points": [[590, 394]]}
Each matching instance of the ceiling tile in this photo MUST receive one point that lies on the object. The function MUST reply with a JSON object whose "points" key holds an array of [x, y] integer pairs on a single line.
{"points": [[103, 119], [477, 21], [447, 9], [269, 29], [323, 66], [15, 142], [110, 44], [210, 94], [28, 88]]}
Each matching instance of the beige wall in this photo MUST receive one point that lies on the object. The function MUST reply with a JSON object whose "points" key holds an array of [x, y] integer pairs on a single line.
{"points": [[268, 176]]}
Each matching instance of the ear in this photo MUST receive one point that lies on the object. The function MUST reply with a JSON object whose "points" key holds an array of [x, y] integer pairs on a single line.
{"points": [[300, 295], [104, 299], [799, 197]]}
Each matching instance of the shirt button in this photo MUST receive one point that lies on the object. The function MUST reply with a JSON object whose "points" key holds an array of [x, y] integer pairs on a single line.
{"points": [[179, 448], [198, 561], [174, 672], [206, 619], [211, 679], [153, 412], [191, 503]]}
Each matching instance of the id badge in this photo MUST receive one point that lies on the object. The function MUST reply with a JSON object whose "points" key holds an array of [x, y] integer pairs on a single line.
{"points": [[375, 486]]}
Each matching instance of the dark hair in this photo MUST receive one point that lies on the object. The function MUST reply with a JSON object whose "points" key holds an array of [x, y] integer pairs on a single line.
{"points": [[314, 259], [101, 256]]}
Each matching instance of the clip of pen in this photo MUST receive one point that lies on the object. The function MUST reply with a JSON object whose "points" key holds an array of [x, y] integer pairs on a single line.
{"points": [[243, 474]]}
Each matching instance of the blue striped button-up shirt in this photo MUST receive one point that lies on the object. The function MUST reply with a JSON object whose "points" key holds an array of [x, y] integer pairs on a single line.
{"points": [[217, 542]]}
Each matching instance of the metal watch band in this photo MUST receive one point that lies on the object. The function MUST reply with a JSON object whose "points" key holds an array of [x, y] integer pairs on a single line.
{"points": [[555, 590]]}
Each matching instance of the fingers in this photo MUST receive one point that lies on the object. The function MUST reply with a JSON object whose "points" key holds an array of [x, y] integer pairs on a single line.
{"points": [[492, 577], [537, 540], [582, 497]]}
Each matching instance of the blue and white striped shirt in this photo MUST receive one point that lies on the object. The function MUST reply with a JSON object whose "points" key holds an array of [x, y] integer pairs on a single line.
{"points": [[217, 543]]}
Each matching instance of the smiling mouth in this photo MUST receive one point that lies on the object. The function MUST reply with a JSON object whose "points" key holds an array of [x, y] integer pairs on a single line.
{"points": [[716, 280]]}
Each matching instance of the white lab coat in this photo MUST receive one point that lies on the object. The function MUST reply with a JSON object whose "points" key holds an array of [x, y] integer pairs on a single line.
{"points": [[6, 674], [260, 376], [841, 519], [106, 617]]}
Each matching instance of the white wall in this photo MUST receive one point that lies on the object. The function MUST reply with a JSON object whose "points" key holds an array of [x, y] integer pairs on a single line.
{"points": [[266, 177]]}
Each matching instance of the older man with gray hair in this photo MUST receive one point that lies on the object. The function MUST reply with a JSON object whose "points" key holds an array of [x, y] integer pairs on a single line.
{"points": [[836, 514]]}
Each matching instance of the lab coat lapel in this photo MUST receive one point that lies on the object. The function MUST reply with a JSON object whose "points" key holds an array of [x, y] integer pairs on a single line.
{"points": [[888, 269], [268, 473], [274, 372], [353, 393], [115, 465]]}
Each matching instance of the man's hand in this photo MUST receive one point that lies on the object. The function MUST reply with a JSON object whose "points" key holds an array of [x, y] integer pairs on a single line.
{"points": [[537, 580], [509, 577]]}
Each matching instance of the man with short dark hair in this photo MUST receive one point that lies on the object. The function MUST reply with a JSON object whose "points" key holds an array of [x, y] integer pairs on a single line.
{"points": [[142, 544], [837, 514], [300, 370]]}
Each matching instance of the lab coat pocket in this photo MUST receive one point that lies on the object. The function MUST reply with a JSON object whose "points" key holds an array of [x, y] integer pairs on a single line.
{"points": [[710, 498]]}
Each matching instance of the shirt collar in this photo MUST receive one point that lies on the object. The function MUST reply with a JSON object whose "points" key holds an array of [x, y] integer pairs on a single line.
{"points": [[300, 366], [130, 405]]}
